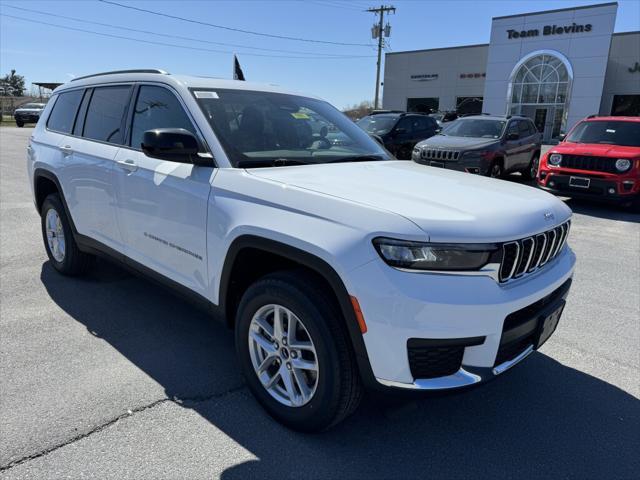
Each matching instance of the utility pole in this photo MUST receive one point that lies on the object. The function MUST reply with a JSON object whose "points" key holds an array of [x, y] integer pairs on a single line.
{"points": [[377, 32]]}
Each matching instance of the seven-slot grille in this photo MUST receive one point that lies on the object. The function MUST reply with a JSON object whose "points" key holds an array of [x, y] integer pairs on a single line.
{"points": [[583, 162], [528, 254], [436, 154]]}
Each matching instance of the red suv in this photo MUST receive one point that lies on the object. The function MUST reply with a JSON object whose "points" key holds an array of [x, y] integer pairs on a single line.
{"points": [[600, 158]]}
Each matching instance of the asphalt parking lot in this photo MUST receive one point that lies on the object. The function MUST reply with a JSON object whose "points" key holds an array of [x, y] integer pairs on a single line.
{"points": [[110, 376]]}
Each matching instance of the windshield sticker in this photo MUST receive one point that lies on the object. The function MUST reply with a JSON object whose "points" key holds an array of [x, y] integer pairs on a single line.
{"points": [[300, 116], [609, 130], [206, 94]]}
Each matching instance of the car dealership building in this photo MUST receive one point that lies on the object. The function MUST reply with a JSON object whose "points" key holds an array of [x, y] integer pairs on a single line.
{"points": [[556, 67]]}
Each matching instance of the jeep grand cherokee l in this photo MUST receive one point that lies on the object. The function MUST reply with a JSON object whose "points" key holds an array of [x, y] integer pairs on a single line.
{"points": [[599, 159], [337, 266], [484, 144]]}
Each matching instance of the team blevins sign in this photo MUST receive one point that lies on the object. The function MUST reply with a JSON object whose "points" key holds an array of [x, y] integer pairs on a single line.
{"points": [[550, 30]]}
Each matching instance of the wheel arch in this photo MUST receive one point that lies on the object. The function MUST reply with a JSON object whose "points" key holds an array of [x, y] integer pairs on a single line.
{"points": [[45, 182], [258, 256]]}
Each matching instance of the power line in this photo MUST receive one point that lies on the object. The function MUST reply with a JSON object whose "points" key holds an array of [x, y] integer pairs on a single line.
{"points": [[179, 37], [232, 29], [164, 44]]}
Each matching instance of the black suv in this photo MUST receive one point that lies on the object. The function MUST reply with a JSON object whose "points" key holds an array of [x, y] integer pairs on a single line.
{"points": [[485, 144], [399, 131]]}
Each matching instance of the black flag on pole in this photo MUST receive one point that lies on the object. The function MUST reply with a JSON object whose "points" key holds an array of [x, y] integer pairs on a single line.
{"points": [[237, 71]]}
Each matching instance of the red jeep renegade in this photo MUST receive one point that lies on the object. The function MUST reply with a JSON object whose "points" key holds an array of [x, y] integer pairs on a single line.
{"points": [[599, 158]]}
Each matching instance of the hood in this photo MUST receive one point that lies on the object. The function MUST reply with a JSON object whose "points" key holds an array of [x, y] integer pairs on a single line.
{"points": [[459, 143], [29, 110], [448, 206], [596, 150]]}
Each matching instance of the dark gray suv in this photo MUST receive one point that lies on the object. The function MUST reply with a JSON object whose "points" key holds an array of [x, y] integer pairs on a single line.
{"points": [[484, 144]]}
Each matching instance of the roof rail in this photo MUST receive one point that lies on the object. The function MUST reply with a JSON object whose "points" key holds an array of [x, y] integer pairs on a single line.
{"points": [[148, 70]]}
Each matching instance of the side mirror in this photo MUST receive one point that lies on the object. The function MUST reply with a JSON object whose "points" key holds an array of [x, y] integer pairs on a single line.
{"points": [[399, 131], [172, 144], [377, 139], [562, 136], [513, 136]]}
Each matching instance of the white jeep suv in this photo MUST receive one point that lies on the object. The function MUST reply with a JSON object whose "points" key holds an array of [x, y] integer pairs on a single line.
{"points": [[338, 266]]}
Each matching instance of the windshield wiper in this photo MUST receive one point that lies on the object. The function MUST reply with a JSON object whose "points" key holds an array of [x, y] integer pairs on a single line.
{"points": [[276, 162], [357, 158]]}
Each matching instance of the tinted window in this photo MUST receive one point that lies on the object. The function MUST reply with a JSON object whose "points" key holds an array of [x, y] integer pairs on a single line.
{"points": [[407, 124], [532, 128], [524, 129], [607, 132], [105, 114], [513, 128], [378, 124], [64, 111], [157, 107], [422, 123], [476, 127]]}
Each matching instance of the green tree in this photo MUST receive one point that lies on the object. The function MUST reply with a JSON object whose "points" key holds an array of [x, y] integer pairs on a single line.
{"points": [[13, 82]]}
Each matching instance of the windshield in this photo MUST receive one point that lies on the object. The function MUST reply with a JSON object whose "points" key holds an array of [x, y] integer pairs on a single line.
{"points": [[262, 129], [378, 124], [613, 132], [475, 127]]}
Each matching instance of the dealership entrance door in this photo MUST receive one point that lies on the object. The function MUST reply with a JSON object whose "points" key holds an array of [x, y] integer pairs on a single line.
{"points": [[547, 119]]}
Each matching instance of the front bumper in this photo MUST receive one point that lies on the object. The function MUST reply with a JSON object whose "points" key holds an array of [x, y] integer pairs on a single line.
{"points": [[466, 311], [470, 165], [611, 189], [26, 118]]}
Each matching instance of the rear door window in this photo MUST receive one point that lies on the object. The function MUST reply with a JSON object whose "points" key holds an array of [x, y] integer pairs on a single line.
{"points": [[64, 111], [157, 107], [105, 115]]}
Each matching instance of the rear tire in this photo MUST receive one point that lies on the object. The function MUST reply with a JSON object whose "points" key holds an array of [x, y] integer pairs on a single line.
{"points": [[61, 247], [335, 384]]}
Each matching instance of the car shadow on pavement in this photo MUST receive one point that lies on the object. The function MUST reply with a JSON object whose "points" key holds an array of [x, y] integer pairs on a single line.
{"points": [[543, 419]]}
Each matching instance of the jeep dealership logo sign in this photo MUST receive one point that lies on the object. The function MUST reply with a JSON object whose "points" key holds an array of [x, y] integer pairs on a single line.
{"points": [[424, 77], [550, 30]]}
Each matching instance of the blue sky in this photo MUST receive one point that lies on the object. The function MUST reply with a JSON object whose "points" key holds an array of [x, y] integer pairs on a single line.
{"points": [[47, 53]]}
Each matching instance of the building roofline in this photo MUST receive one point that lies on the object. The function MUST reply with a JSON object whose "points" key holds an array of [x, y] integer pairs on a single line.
{"points": [[441, 48], [542, 12], [633, 32]]}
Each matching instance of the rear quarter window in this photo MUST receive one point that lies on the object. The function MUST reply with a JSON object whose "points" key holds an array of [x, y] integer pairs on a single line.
{"points": [[64, 111]]}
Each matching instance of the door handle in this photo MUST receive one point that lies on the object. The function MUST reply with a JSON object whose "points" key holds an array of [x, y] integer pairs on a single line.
{"points": [[66, 150], [128, 165]]}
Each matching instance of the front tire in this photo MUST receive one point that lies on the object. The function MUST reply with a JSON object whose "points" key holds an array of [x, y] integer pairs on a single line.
{"points": [[531, 172], [61, 247], [20, 124], [294, 352], [495, 169]]}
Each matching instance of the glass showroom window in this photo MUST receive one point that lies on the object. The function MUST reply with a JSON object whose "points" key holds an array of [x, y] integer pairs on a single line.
{"points": [[539, 88]]}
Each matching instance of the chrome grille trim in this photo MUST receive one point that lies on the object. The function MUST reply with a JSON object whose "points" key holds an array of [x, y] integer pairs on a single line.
{"points": [[541, 239], [437, 154], [532, 253]]}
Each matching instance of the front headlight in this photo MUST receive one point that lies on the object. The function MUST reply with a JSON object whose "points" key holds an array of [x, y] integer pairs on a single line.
{"points": [[555, 159], [623, 164], [433, 256]]}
